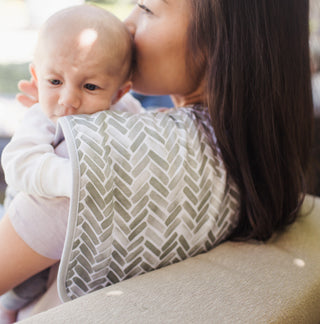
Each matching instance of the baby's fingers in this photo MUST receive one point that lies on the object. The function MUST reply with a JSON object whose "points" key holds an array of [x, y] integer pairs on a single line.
{"points": [[29, 95], [25, 100]]}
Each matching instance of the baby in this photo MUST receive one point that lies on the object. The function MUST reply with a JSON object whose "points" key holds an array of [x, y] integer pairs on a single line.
{"points": [[82, 65]]}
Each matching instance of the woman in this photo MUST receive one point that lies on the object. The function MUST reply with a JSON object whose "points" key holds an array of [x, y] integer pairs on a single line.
{"points": [[248, 62]]}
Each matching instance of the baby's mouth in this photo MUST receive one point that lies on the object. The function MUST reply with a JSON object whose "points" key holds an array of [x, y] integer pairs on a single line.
{"points": [[64, 112]]}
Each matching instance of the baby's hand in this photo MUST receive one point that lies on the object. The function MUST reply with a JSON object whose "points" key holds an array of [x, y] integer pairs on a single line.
{"points": [[162, 109], [29, 95]]}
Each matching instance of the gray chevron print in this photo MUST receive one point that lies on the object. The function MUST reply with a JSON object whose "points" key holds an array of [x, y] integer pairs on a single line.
{"points": [[149, 191]]}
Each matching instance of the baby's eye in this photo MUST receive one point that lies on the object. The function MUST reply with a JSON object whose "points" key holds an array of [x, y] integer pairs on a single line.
{"points": [[91, 87], [55, 82]]}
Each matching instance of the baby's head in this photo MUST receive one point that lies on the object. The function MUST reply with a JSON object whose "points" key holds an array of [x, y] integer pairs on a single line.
{"points": [[82, 62]]}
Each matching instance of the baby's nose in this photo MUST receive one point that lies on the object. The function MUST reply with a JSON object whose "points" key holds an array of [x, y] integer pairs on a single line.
{"points": [[69, 99]]}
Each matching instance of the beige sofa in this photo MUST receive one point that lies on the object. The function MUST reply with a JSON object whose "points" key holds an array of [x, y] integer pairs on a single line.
{"points": [[276, 282]]}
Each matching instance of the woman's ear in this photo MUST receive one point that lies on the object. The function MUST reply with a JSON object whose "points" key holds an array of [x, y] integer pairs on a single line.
{"points": [[32, 69], [121, 92]]}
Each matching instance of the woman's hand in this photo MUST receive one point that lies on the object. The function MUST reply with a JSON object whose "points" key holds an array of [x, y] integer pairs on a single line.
{"points": [[29, 92]]}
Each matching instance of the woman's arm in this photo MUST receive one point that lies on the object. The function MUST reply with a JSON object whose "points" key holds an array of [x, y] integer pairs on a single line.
{"points": [[18, 261]]}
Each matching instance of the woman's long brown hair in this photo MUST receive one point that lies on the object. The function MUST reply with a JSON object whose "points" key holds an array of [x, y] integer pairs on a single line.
{"points": [[254, 56]]}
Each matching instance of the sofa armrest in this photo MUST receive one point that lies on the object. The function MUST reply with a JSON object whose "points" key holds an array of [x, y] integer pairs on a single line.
{"points": [[276, 282]]}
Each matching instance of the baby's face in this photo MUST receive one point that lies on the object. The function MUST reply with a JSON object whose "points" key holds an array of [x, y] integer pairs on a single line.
{"points": [[75, 81]]}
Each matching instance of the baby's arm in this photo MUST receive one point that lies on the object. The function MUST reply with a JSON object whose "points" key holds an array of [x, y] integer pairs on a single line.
{"points": [[29, 160]]}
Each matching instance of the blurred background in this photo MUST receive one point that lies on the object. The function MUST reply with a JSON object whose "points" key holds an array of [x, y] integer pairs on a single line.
{"points": [[19, 24], [315, 52]]}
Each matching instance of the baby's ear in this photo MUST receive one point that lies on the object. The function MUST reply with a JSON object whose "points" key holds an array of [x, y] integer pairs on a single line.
{"points": [[33, 72], [121, 92]]}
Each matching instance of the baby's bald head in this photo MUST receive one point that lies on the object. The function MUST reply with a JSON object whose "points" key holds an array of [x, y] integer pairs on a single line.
{"points": [[88, 33]]}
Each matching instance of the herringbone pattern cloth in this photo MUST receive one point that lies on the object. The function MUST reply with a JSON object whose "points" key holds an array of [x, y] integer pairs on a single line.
{"points": [[149, 191]]}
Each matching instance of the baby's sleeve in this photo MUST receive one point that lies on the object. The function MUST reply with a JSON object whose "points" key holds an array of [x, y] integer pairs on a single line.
{"points": [[30, 162]]}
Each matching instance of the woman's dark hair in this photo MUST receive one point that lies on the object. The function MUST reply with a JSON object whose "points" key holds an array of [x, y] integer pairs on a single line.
{"points": [[254, 56]]}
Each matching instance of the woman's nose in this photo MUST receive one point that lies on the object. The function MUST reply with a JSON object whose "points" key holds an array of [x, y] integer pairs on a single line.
{"points": [[130, 22], [131, 28], [69, 98]]}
